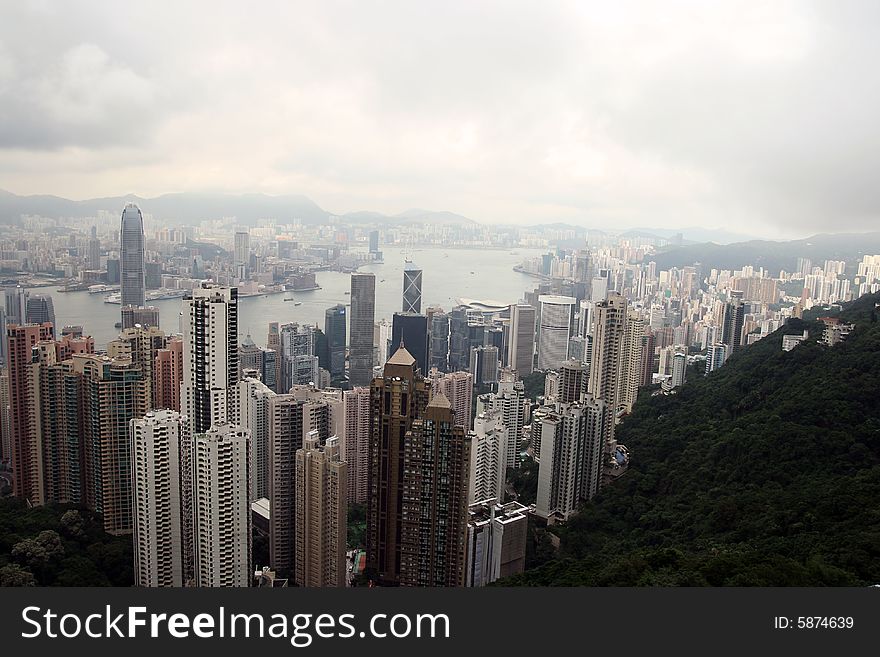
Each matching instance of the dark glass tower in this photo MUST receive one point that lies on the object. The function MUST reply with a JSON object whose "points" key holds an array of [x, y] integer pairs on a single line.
{"points": [[131, 237], [411, 330], [363, 313], [334, 329], [412, 288]]}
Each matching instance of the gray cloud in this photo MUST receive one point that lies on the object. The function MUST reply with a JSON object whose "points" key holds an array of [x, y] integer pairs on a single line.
{"points": [[754, 115]]}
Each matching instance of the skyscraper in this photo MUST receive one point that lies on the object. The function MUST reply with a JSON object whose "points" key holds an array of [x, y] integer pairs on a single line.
{"points": [[412, 288], [521, 348], [411, 330], [146, 316], [439, 341], [141, 346], [356, 446], [510, 401], [40, 309], [242, 253], [488, 464], [169, 375], [334, 329], [159, 442], [554, 330], [25, 451], [458, 388], [734, 319], [321, 514], [210, 354], [496, 541], [679, 369], [397, 398], [286, 431], [363, 311], [221, 510], [131, 252], [94, 255], [433, 524]]}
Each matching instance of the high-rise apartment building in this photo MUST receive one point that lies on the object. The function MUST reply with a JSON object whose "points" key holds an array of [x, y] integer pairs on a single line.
{"points": [[146, 316], [356, 444], [510, 400], [241, 253], [253, 414], [734, 319], [221, 510], [24, 428], [321, 513], [286, 434], [439, 341], [361, 318], [159, 445], [433, 523], [131, 254], [412, 289], [488, 464], [458, 388], [496, 541], [210, 354], [168, 371], [554, 330], [141, 346], [397, 398]]}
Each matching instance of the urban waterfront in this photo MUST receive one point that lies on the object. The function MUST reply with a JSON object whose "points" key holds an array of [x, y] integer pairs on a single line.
{"points": [[448, 274]]}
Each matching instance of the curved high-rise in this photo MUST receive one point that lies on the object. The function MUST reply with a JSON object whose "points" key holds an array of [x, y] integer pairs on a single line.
{"points": [[131, 238]]}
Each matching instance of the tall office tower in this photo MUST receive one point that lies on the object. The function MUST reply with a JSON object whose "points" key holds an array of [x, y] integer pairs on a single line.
{"points": [[582, 266], [485, 366], [286, 431], [716, 354], [440, 341], [411, 330], [250, 356], [647, 365], [630, 362], [114, 392], [273, 342], [24, 422], [374, 241], [94, 257], [159, 442], [356, 447], [488, 466], [300, 364], [221, 510], [321, 514], [572, 381], [363, 311], [734, 318], [585, 317], [458, 388], [40, 309], [146, 316], [323, 410], [141, 346], [210, 354], [252, 404], [168, 371], [16, 299], [496, 541], [433, 524], [510, 400], [334, 329], [521, 348], [572, 438], [397, 398], [242, 253], [131, 255], [554, 330], [270, 368], [679, 369], [5, 435], [412, 288]]}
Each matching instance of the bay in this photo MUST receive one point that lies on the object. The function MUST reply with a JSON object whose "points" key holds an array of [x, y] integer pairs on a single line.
{"points": [[448, 274]]}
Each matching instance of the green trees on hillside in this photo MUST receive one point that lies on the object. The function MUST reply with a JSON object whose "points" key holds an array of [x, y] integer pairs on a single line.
{"points": [[766, 472]]}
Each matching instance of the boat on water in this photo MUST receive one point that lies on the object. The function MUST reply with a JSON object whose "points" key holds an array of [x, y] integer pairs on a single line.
{"points": [[289, 299], [298, 303], [346, 292]]}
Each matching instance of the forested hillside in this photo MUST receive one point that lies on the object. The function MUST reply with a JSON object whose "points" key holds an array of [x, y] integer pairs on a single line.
{"points": [[766, 472]]}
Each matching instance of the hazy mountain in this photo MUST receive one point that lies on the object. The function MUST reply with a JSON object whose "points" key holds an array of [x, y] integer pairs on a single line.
{"points": [[189, 207], [771, 255]]}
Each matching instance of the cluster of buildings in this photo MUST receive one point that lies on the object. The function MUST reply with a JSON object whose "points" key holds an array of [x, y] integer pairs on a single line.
{"points": [[190, 442]]}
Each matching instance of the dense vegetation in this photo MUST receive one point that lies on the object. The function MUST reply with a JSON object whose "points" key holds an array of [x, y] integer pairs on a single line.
{"points": [[60, 546], [766, 472]]}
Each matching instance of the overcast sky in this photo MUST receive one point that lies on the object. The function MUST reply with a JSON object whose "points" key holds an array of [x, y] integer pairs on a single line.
{"points": [[759, 117]]}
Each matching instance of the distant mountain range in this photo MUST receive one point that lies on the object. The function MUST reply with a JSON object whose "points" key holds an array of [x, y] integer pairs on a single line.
{"points": [[188, 207], [773, 256]]}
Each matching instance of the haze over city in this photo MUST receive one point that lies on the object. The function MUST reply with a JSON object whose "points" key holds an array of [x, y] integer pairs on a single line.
{"points": [[754, 116]]}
